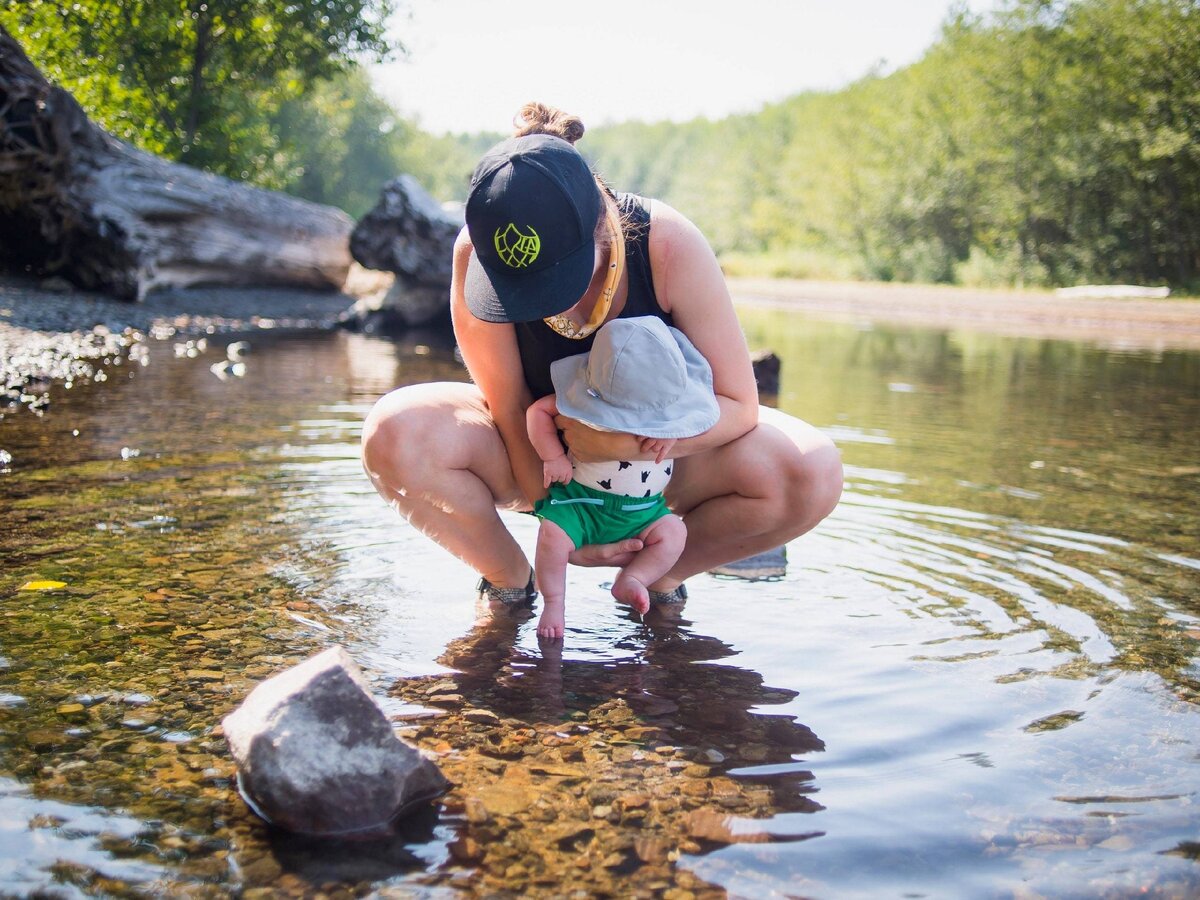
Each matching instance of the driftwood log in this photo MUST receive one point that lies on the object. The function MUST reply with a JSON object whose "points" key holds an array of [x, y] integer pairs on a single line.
{"points": [[78, 203]]}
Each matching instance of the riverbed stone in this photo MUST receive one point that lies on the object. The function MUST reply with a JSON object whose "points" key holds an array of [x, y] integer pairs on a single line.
{"points": [[317, 755]]}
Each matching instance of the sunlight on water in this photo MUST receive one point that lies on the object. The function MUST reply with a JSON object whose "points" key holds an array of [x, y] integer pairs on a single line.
{"points": [[978, 677]]}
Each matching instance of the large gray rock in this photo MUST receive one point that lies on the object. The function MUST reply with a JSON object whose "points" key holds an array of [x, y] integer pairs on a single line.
{"points": [[407, 232], [404, 305], [412, 235], [316, 755]]}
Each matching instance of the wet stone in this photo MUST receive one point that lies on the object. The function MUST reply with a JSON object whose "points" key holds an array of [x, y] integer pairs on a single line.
{"points": [[317, 755], [466, 850], [45, 739], [480, 716]]}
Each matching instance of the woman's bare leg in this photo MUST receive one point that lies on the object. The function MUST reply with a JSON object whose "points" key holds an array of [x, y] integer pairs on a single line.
{"points": [[662, 542], [433, 453], [753, 494]]}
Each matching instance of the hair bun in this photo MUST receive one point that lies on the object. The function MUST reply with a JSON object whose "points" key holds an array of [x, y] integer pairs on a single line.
{"points": [[538, 118]]}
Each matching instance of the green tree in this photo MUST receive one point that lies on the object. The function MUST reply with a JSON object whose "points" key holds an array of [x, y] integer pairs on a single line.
{"points": [[342, 142], [198, 80]]}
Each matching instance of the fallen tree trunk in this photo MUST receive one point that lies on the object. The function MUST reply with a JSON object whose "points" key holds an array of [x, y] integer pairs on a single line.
{"points": [[78, 203]]}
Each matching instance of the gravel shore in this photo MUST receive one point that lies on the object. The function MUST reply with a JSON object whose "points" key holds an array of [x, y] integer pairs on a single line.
{"points": [[61, 334]]}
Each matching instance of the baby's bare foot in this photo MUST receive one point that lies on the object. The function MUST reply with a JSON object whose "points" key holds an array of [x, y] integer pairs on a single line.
{"points": [[629, 590], [553, 620]]}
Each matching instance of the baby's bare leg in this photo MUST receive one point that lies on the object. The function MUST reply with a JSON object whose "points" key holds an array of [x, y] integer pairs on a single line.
{"points": [[550, 563], [663, 541]]}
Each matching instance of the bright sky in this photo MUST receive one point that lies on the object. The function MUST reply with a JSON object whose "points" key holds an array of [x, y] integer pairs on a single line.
{"points": [[472, 63]]}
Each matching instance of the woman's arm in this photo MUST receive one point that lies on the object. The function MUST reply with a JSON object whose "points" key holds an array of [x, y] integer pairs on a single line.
{"points": [[689, 285], [490, 353]]}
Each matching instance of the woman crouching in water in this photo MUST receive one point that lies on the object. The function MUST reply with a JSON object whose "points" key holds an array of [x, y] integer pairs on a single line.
{"points": [[549, 254]]}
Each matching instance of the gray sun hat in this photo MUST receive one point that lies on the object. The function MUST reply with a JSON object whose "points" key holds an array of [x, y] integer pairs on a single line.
{"points": [[641, 376]]}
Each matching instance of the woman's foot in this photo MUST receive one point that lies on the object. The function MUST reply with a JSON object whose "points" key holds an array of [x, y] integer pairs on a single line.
{"points": [[553, 619], [630, 591], [512, 597]]}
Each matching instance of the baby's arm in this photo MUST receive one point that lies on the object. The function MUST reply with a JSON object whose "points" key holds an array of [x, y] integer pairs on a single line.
{"points": [[660, 447], [543, 434]]}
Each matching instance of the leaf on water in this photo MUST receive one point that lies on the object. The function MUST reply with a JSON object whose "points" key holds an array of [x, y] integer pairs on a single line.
{"points": [[42, 585]]}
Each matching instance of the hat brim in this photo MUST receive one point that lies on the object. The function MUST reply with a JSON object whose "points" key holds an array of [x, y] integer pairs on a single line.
{"points": [[693, 413], [528, 296]]}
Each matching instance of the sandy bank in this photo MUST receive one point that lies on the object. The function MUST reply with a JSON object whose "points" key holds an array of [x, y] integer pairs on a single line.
{"points": [[1130, 324]]}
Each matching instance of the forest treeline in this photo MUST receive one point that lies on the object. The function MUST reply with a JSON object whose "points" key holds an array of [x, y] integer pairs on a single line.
{"points": [[1050, 142]]}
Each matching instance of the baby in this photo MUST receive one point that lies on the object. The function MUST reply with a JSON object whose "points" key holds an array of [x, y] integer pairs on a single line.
{"points": [[642, 377]]}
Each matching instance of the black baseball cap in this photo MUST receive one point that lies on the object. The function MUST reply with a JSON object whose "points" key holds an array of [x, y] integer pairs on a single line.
{"points": [[532, 215]]}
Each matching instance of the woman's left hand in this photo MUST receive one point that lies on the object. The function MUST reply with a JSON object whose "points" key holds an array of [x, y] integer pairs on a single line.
{"points": [[590, 445], [617, 555]]}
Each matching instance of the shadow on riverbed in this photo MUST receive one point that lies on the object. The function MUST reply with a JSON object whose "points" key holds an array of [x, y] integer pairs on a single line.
{"points": [[580, 769]]}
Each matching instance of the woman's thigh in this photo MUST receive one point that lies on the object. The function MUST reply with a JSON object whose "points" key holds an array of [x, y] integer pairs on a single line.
{"points": [[414, 434], [782, 458]]}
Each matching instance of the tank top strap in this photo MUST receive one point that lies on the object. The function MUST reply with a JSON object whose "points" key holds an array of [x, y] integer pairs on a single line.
{"points": [[635, 218]]}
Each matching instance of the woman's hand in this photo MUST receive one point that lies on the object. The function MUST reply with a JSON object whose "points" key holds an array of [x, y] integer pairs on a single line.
{"points": [[589, 445], [617, 555]]}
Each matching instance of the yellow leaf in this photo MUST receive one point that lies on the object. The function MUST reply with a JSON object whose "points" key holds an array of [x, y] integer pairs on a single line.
{"points": [[42, 585]]}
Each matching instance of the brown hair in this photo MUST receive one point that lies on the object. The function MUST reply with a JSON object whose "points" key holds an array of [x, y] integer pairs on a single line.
{"points": [[538, 118]]}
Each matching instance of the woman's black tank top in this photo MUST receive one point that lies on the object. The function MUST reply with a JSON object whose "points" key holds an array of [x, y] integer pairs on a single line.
{"points": [[541, 345]]}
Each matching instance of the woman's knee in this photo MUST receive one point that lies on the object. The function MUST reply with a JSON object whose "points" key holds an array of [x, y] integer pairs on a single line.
{"points": [[401, 434], [804, 470], [811, 476]]}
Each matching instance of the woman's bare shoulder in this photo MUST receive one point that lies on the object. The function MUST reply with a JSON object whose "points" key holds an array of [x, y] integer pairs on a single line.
{"points": [[681, 260], [670, 229]]}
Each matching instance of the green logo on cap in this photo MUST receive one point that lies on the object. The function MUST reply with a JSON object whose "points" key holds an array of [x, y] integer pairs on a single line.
{"points": [[516, 249]]}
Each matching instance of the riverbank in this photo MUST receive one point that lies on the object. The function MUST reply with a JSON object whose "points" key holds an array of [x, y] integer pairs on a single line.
{"points": [[1113, 323], [57, 335]]}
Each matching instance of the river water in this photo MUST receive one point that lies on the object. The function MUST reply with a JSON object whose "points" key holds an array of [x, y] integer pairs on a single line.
{"points": [[978, 678]]}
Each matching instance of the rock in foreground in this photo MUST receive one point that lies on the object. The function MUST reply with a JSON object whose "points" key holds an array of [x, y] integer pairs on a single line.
{"points": [[316, 754]]}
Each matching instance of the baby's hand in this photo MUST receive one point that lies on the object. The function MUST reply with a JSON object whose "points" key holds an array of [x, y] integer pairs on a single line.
{"points": [[556, 470], [660, 447]]}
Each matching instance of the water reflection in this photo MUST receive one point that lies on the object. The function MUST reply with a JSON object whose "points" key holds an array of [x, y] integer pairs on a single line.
{"points": [[44, 842]]}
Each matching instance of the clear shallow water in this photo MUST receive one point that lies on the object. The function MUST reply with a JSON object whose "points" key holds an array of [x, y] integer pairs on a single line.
{"points": [[978, 678]]}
